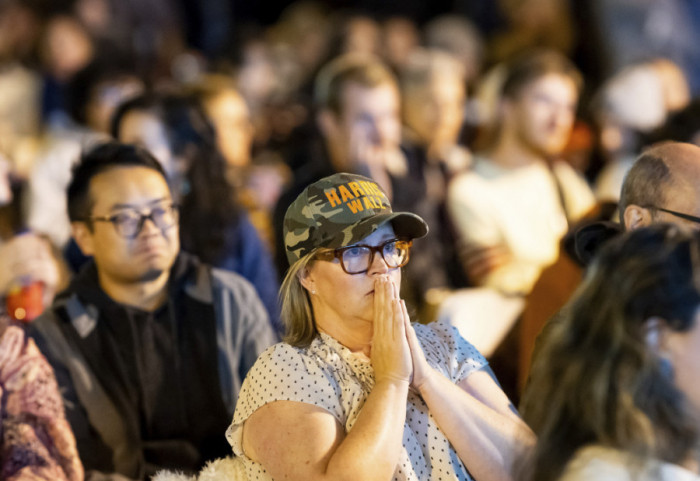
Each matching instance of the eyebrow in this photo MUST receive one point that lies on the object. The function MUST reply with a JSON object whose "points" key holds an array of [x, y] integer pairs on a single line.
{"points": [[136, 206], [381, 240]]}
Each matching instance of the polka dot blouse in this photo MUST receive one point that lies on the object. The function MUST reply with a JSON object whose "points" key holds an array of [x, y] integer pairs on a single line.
{"points": [[328, 375]]}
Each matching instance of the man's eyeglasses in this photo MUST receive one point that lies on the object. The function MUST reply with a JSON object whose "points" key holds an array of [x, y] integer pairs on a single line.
{"points": [[129, 223], [689, 217], [358, 258]]}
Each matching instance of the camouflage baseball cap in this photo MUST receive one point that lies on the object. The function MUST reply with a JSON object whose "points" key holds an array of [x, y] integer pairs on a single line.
{"points": [[340, 210]]}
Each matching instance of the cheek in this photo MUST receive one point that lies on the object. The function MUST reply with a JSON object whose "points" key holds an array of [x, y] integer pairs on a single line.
{"points": [[565, 120], [686, 366], [395, 131], [685, 377], [173, 238]]}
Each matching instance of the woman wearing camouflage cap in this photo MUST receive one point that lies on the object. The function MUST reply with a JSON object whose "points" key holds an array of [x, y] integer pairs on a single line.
{"points": [[355, 391]]}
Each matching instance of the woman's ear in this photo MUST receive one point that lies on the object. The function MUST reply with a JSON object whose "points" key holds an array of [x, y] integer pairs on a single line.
{"points": [[653, 333], [307, 280], [659, 340]]}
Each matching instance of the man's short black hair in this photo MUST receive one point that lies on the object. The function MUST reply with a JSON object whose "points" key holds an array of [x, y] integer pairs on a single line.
{"points": [[98, 159]]}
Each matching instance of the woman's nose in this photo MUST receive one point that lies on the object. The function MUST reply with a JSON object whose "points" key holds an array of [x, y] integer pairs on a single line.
{"points": [[378, 266]]}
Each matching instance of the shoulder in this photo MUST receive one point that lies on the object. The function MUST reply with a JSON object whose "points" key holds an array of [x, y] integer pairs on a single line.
{"points": [[466, 189], [578, 192], [596, 462], [232, 282], [67, 311], [287, 361], [565, 173], [477, 181], [441, 332], [287, 373], [571, 179]]}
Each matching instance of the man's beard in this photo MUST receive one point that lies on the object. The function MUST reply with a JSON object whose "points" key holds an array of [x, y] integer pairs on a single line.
{"points": [[151, 275]]}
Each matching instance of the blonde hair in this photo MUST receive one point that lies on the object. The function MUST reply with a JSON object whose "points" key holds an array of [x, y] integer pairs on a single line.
{"points": [[297, 314]]}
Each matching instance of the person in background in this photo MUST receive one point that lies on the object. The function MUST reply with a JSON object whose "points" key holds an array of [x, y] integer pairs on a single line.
{"points": [[627, 110], [619, 372], [213, 225], [32, 272], [148, 344], [459, 37], [433, 101], [259, 180], [433, 94], [512, 208], [359, 130], [663, 185], [36, 442], [91, 97], [228, 113], [356, 390]]}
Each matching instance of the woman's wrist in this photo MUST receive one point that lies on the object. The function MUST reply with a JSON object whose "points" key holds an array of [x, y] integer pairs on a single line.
{"points": [[426, 380], [392, 379]]}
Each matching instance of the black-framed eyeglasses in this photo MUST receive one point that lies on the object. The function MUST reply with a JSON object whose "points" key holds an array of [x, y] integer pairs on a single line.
{"points": [[129, 222], [681, 215], [358, 258]]}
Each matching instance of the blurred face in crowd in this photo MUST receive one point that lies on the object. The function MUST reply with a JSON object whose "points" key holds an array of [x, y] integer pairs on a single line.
{"points": [[400, 36], [369, 116], [121, 259], [107, 96], [543, 113], [362, 35], [144, 128], [67, 47], [234, 132], [435, 110]]}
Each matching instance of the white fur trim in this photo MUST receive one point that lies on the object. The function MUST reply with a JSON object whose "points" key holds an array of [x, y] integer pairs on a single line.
{"points": [[223, 469]]}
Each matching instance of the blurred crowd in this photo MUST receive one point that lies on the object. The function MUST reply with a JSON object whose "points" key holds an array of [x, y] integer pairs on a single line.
{"points": [[442, 111]]}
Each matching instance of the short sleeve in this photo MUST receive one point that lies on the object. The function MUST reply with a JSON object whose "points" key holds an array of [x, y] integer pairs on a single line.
{"points": [[284, 373], [446, 350]]}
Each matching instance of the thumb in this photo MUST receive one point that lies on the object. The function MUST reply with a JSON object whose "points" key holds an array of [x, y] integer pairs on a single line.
{"points": [[413, 342]]}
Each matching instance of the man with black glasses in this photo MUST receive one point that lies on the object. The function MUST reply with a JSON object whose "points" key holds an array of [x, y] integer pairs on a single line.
{"points": [[149, 346], [663, 185]]}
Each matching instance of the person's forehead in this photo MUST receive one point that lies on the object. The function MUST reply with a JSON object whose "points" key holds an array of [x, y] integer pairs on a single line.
{"points": [[552, 83], [141, 118], [126, 185], [355, 94]]}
